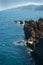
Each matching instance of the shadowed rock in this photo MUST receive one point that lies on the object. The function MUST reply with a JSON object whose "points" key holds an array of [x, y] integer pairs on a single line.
{"points": [[33, 31], [21, 22], [33, 28]]}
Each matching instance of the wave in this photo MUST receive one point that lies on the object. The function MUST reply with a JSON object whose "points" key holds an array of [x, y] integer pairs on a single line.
{"points": [[19, 43], [22, 5]]}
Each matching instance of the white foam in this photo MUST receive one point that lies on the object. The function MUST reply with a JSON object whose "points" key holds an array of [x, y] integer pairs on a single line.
{"points": [[21, 24], [29, 50], [19, 43], [18, 22]]}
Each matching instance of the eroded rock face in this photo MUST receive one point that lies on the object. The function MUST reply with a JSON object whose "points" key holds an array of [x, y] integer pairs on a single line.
{"points": [[27, 31], [34, 29]]}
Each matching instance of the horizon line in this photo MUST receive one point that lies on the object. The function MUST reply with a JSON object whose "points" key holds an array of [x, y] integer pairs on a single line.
{"points": [[21, 5]]}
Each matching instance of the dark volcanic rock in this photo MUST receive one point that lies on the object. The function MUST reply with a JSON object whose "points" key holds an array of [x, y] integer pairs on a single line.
{"points": [[27, 31], [21, 22], [34, 29]]}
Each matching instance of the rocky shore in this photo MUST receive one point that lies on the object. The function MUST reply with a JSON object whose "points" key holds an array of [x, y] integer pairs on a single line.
{"points": [[33, 31]]}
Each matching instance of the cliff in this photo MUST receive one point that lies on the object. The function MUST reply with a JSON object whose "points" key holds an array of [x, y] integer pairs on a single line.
{"points": [[33, 31]]}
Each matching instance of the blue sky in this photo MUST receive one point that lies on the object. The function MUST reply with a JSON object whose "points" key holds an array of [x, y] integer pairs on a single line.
{"points": [[4, 4]]}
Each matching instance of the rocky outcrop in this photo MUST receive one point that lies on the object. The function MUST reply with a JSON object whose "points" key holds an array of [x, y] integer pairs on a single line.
{"points": [[33, 31], [34, 28]]}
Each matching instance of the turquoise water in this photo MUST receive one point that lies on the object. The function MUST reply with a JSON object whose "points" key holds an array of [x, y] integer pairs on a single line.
{"points": [[13, 52]]}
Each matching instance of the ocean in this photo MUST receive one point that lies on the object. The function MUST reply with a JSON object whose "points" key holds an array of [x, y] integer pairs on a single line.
{"points": [[12, 48]]}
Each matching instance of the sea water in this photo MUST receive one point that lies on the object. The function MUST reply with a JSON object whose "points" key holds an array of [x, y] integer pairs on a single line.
{"points": [[12, 48]]}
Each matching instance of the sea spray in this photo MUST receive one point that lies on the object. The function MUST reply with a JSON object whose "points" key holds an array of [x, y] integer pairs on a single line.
{"points": [[20, 43]]}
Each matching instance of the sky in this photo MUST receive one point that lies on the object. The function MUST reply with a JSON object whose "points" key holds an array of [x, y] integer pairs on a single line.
{"points": [[6, 4]]}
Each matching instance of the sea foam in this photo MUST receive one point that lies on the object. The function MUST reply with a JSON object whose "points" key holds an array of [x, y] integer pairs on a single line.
{"points": [[19, 43]]}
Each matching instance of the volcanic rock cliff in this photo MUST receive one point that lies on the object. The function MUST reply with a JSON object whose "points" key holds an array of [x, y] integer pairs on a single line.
{"points": [[34, 30]]}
